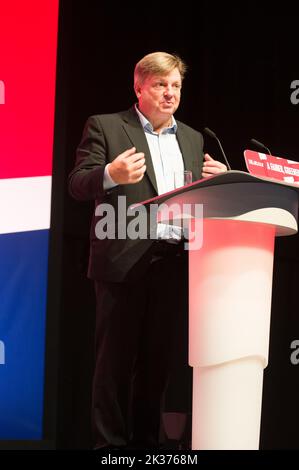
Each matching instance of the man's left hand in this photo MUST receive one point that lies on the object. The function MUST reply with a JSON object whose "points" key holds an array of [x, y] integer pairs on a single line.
{"points": [[212, 167]]}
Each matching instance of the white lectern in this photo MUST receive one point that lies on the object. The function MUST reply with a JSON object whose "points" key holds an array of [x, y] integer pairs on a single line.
{"points": [[230, 284]]}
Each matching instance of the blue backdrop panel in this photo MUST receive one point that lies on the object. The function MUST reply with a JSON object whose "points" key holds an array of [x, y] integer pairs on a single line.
{"points": [[23, 287]]}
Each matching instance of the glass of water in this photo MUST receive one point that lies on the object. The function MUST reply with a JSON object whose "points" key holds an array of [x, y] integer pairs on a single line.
{"points": [[182, 178]]}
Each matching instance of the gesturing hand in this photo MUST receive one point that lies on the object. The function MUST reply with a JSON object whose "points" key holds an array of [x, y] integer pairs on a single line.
{"points": [[128, 167], [211, 166]]}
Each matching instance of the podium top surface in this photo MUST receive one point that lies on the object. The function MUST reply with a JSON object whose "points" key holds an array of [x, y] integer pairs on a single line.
{"points": [[233, 195], [229, 177]]}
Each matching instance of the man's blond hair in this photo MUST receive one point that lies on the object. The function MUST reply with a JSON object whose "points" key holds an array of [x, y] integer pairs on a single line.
{"points": [[157, 63]]}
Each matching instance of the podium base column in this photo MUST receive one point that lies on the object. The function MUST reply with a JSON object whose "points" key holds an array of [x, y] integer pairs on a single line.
{"points": [[227, 401], [230, 287]]}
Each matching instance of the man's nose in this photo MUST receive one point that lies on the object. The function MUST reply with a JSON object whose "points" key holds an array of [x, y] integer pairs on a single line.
{"points": [[168, 91]]}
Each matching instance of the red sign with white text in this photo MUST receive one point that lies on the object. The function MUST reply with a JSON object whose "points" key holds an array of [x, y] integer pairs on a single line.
{"points": [[268, 166]]}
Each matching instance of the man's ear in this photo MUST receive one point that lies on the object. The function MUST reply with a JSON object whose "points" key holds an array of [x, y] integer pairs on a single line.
{"points": [[138, 91]]}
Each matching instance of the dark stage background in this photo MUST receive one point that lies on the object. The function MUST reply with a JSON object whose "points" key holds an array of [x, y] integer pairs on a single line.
{"points": [[242, 61]]}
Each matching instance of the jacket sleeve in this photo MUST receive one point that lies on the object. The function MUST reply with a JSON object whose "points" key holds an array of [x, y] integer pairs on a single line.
{"points": [[86, 179]]}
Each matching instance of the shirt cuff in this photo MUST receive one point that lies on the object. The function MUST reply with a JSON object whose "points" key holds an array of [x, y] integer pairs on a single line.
{"points": [[108, 182], [170, 233]]}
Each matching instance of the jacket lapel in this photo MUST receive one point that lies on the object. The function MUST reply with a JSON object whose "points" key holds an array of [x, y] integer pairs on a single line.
{"points": [[135, 132]]}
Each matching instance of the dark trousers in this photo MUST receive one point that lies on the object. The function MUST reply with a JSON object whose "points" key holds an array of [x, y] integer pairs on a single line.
{"points": [[141, 342]]}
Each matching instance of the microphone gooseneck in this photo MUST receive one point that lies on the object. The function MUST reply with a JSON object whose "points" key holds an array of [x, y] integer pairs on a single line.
{"points": [[260, 145], [214, 136]]}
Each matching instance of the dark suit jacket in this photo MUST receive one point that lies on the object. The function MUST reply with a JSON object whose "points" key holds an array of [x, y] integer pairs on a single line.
{"points": [[104, 138]]}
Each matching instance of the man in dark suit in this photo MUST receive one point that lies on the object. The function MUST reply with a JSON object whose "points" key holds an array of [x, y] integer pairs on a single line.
{"points": [[141, 283]]}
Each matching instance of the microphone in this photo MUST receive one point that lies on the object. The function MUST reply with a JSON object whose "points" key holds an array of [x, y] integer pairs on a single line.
{"points": [[259, 144], [214, 136]]}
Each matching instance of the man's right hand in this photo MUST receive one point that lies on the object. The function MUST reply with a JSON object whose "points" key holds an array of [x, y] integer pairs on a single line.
{"points": [[128, 167]]}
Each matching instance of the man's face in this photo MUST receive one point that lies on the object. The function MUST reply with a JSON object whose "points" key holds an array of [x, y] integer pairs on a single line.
{"points": [[159, 95]]}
